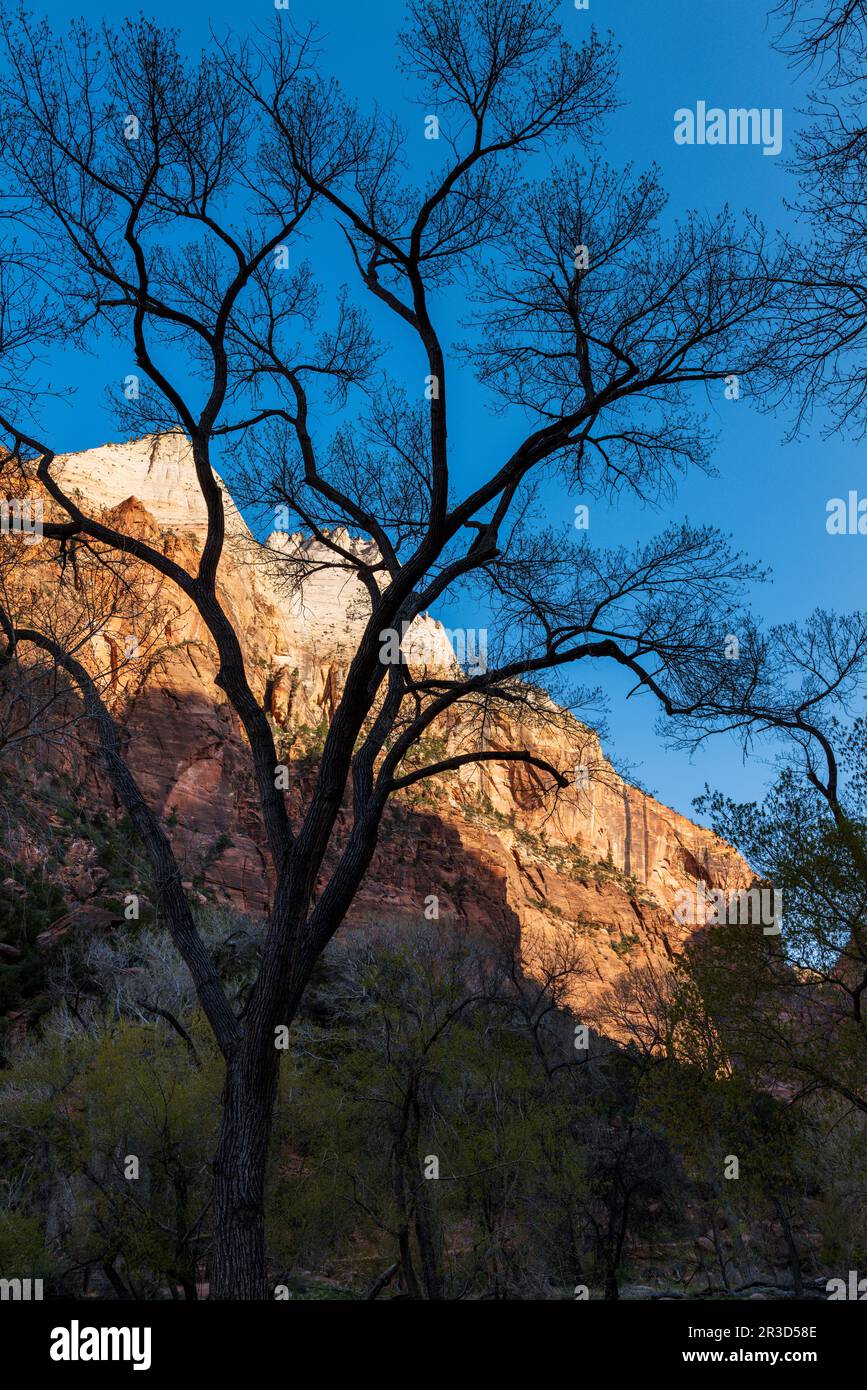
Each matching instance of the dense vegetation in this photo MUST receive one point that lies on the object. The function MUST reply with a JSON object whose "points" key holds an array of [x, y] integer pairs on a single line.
{"points": [[442, 1131]]}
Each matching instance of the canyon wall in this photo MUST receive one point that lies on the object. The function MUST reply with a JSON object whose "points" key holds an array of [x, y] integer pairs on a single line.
{"points": [[490, 843]]}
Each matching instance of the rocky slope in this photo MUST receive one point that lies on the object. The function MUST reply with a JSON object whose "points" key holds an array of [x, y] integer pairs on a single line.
{"points": [[487, 842]]}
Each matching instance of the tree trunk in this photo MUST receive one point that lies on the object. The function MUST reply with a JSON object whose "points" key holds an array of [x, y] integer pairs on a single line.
{"points": [[240, 1166], [427, 1231], [429, 1244], [722, 1261], [791, 1247], [114, 1279], [407, 1269]]}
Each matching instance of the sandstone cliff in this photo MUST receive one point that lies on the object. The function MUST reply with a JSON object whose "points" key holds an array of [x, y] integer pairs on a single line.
{"points": [[488, 842]]}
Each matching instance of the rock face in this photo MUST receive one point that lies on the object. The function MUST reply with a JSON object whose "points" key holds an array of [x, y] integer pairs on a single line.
{"points": [[328, 606], [157, 470], [487, 842]]}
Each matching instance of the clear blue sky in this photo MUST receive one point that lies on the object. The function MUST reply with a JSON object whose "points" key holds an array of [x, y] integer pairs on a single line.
{"points": [[771, 497]]}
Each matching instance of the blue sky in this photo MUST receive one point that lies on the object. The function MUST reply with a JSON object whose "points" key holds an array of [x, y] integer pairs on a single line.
{"points": [[770, 496]]}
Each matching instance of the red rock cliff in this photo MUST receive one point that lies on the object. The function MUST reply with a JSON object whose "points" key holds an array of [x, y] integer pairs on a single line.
{"points": [[487, 841]]}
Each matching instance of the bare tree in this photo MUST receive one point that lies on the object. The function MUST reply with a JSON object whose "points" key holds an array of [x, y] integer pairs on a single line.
{"points": [[818, 357], [181, 193]]}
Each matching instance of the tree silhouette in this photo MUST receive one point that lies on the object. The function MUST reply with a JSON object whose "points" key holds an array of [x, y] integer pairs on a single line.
{"points": [[167, 202]]}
